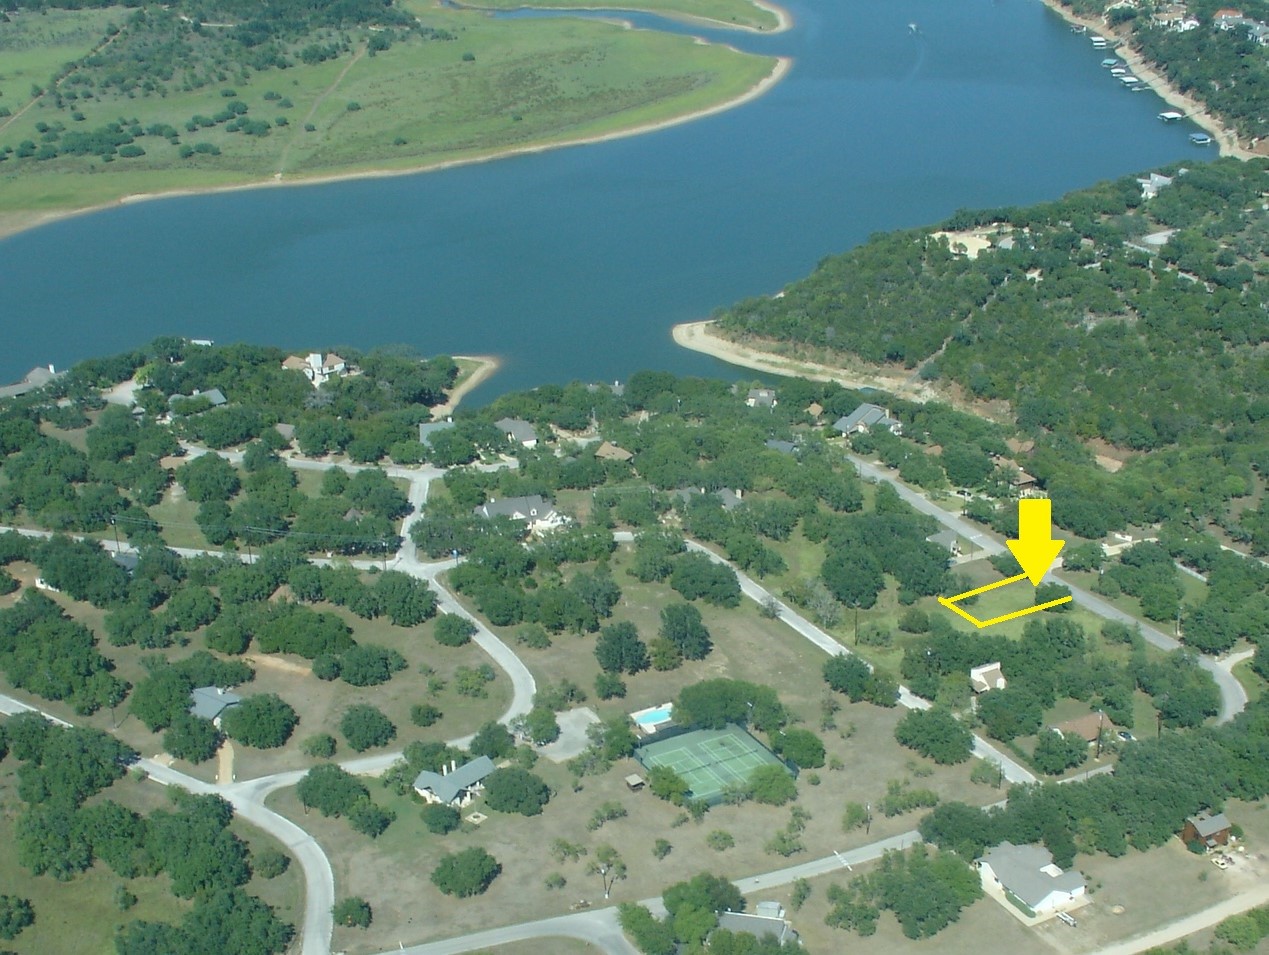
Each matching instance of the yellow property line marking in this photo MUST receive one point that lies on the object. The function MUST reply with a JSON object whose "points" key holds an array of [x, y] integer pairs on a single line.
{"points": [[950, 603]]}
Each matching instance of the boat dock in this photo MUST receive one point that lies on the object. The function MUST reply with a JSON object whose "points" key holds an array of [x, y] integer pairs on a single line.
{"points": [[1200, 139], [1171, 117]]}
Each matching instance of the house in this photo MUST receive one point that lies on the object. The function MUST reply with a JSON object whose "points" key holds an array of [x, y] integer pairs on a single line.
{"points": [[429, 428], [729, 499], [37, 377], [534, 510], [215, 397], [949, 540], [352, 515], [287, 431], [518, 432], [761, 398], [1029, 875], [210, 702], [989, 676], [1151, 186], [767, 921], [866, 417], [610, 452], [635, 782], [1207, 829], [128, 561], [454, 785], [784, 447], [318, 368]]}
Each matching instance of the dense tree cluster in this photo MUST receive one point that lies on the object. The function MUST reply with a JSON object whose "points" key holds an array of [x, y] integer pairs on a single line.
{"points": [[46, 653], [925, 890], [1156, 784]]}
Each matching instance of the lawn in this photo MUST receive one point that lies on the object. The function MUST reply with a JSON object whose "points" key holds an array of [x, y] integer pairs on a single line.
{"points": [[392, 873], [503, 85], [1252, 681]]}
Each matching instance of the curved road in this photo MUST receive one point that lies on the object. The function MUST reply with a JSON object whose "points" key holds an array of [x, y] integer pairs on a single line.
{"points": [[597, 927]]}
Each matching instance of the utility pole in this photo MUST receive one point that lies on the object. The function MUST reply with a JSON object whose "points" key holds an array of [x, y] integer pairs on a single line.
{"points": [[119, 547]]}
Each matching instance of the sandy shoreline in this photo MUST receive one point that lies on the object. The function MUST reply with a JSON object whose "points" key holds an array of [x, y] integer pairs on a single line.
{"points": [[22, 221], [489, 364], [1226, 138], [698, 337]]}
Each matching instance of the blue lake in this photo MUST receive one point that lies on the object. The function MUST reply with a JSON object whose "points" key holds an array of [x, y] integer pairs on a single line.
{"points": [[575, 263]]}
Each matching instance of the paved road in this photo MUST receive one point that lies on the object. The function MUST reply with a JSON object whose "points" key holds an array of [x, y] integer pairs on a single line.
{"points": [[1233, 696], [1014, 771], [598, 927]]}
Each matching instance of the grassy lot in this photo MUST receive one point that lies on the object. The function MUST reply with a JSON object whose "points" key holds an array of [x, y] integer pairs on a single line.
{"points": [[392, 873], [501, 85], [175, 515], [320, 705], [743, 13]]}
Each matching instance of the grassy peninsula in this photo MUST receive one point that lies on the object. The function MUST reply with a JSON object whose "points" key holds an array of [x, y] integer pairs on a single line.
{"points": [[101, 104], [744, 14]]}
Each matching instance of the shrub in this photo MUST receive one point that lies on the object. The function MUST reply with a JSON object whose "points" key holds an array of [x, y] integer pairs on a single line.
{"points": [[424, 714], [466, 873], [453, 630], [720, 840], [440, 819]]}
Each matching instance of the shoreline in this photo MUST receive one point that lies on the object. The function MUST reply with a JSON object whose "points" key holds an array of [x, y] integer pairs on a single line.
{"points": [[784, 19], [1226, 138], [782, 66], [487, 367], [697, 337]]}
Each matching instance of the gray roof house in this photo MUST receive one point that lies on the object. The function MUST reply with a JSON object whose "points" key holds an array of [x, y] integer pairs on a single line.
{"points": [[949, 540], [730, 499], [534, 510], [761, 398], [429, 428], [1208, 829], [37, 377], [784, 447], [767, 922], [210, 702], [865, 417], [215, 397], [454, 785], [1028, 873], [517, 431]]}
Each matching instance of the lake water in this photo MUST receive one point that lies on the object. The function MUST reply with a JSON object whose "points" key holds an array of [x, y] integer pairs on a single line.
{"points": [[575, 263]]}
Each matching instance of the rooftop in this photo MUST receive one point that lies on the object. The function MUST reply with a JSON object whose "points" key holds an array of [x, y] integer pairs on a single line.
{"points": [[447, 786], [1029, 873]]}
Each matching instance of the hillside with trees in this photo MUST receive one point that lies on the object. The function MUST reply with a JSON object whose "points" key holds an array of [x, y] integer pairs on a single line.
{"points": [[1087, 331]]}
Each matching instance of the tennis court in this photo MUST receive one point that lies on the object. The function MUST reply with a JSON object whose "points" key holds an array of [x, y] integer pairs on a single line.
{"points": [[709, 760]]}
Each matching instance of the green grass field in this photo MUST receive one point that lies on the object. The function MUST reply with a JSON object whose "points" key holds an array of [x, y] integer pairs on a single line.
{"points": [[499, 86], [741, 13]]}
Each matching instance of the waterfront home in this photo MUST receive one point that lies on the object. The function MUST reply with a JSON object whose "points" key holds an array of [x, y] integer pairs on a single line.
{"points": [[518, 431], [866, 417]]}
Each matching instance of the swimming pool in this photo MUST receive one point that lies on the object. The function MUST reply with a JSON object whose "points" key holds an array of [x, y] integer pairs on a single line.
{"points": [[652, 717]]}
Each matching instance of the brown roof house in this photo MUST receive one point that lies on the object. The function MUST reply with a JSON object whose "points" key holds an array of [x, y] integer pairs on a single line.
{"points": [[1207, 829], [1089, 727], [610, 452]]}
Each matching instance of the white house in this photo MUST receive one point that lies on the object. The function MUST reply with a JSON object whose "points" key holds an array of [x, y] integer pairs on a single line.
{"points": [[989, 676], [535, 511], [1028, 873]]}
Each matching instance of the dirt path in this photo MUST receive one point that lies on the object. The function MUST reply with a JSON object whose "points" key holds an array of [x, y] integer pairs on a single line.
{"points": [[321, 98], [277, 663], [1182, 927], [97, 49], [225, 764]]}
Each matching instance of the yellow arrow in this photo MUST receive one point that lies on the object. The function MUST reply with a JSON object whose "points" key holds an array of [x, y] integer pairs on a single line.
{"points": [[1035, 549]]}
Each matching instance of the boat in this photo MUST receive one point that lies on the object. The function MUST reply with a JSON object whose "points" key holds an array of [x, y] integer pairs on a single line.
{"points": [[1110, 61], [1129, 80], [1171, 117], [1099, 42], [1200, 139], [1079, 28], [1139, 88], [1118, 70]]}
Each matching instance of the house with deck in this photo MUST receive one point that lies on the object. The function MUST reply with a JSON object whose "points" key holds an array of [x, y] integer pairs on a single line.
{"points": [[866, 417], [454, 785], [1208, 829]]}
